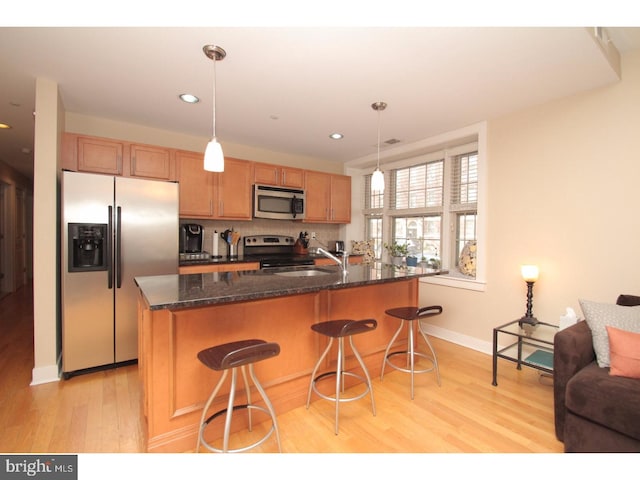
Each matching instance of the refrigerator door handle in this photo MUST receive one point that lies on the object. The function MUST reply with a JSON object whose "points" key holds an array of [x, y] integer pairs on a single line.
{"points": [[119, 247], [109, 249]]}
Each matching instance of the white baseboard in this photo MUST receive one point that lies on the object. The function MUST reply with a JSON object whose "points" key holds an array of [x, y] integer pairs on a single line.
{"points": [[463, 340], [45, 374]]}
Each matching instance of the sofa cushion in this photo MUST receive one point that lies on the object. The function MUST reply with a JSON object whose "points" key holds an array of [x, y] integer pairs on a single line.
{"points": [[611, 401], [624, 352], [599, 315]]}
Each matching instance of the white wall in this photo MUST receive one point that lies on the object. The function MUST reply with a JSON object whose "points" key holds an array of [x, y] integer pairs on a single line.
{"points": [[48, 127], [563, 183]]}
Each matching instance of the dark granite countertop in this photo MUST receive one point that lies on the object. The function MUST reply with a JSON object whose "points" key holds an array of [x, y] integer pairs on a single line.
{"points": [[201, 289], [242, 259]]}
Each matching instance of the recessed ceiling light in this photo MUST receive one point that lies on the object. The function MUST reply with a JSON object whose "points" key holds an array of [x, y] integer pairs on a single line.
{"points": [[336, 136], [188, 98], [4, 125]]}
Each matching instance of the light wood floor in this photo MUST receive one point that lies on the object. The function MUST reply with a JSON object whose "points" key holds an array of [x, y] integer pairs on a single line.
{"points": [[100, 412]]}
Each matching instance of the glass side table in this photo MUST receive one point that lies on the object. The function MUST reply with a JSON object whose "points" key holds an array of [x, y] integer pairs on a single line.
{"points": [[531, 346]]}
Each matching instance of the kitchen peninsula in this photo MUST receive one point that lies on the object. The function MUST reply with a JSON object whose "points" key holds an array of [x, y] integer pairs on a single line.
{"points": [[179, 315]]}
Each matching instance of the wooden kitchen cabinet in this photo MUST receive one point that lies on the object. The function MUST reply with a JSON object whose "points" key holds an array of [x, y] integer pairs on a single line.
{"points": [[196, 186], [328, 198], [203, 194], [82, 153], [267, 174], [99, 155], [219, 267], [340, 199], [353, 260], [233, 190], [151, 162]]}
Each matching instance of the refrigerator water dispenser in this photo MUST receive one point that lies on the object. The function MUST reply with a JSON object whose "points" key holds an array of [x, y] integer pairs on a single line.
{"points": [[87, 247]]}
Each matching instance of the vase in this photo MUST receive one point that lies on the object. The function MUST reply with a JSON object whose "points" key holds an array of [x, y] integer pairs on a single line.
{"points": [[397, 261]]}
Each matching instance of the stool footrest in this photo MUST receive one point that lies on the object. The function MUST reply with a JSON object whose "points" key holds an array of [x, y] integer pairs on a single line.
{"points": [[408, 370], [348, 399], [242, 449]]}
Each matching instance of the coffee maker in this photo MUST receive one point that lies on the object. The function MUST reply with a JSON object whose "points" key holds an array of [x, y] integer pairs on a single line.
{"points": [[191, 235]]}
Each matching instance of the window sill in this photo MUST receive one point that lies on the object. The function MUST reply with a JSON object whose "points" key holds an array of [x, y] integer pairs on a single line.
{"points": [[455, 281]]}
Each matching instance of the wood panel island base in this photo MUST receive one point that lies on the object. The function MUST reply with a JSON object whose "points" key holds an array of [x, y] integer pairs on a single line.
{"points": [[179, 315]]}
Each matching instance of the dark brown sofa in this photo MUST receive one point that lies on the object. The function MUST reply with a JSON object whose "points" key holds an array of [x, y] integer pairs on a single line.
{"points": [[594, 411]]}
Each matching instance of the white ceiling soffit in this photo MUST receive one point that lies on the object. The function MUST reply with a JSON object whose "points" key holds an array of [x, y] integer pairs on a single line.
{"points": [[287, 89]]}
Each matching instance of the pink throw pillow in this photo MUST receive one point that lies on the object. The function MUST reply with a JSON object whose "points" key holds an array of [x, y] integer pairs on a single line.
{"points": [[624, 349]]}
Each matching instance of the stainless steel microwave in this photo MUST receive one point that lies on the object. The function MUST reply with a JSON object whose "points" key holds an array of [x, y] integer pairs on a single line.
{"points": [[278, 203]]}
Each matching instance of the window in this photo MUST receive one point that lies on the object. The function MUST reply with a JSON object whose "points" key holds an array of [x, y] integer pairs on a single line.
{"points": [[432, 204]]}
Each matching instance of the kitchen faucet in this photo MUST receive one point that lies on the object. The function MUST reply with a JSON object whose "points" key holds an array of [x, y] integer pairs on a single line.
{"points": [[343, 263]]}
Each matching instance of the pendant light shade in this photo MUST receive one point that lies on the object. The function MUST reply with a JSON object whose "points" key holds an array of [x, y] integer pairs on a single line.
{"points": [[377, 179], [213, 156]]}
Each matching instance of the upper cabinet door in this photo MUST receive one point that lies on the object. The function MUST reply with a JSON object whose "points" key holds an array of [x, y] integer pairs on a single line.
{"points": [[292, 177], [151, 162], [317, 192], [328, 198], [233, 190], [196, 185], [340, 199], [99, 155], [267, 174]]}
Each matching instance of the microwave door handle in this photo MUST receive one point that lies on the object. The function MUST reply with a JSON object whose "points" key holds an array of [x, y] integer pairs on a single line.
{"points": [[109, 249], [293, 206]]}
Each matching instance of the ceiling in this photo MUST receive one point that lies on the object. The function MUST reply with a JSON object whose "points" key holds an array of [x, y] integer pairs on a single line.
{"points": [[286, 89]]}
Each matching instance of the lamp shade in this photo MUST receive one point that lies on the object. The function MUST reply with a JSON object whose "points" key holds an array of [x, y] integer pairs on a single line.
{"points": [[377, 181], [213, 157], [529, 273]]}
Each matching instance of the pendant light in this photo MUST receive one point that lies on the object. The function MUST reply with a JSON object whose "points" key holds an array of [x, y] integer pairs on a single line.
{"points": [[213, 156], [377, 179]]}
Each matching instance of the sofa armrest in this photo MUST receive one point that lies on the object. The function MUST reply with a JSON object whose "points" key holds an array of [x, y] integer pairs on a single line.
{"points": [[573, 350]]}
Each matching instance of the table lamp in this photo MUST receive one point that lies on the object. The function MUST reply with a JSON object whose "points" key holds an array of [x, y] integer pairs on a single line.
{"points": [[530, 275]]}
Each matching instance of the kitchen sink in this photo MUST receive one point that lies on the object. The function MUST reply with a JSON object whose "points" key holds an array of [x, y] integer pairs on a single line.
{"points": [[303, 273]]}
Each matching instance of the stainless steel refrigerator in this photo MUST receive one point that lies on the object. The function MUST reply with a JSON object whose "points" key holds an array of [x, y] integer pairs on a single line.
{"points": [[113, 229]]}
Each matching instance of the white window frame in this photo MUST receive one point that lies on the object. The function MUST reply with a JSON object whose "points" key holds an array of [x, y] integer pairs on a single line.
{"points": [[451, 144]]}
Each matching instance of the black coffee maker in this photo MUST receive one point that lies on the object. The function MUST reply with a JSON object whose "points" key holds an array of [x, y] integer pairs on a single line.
{"points": [[191, 235]]}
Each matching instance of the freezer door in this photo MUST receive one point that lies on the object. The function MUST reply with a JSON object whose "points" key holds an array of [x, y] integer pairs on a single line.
{"points": [[147, 228], [87, 301]]}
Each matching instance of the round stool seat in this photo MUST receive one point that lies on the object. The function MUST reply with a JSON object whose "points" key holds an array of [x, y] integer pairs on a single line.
{"points": [[344, 328], [229, 357], [236, 354], [413, 313]]}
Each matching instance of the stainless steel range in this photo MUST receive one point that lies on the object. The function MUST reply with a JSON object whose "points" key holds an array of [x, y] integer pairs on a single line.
{"points": [[274, 251]]}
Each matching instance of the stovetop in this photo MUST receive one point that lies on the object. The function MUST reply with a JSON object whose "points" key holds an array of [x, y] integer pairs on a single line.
{"points": [[274, 251]]}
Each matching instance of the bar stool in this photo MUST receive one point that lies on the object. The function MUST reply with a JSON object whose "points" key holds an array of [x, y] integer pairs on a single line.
{"points": [[408, 315], [233, 356], [340, 329]]}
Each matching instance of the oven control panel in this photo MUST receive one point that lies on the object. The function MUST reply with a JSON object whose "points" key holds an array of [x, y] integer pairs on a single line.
{"points": [[269, 241]]}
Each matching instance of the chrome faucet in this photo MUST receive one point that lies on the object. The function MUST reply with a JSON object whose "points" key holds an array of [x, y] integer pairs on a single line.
{"points": [[343, 263]]}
